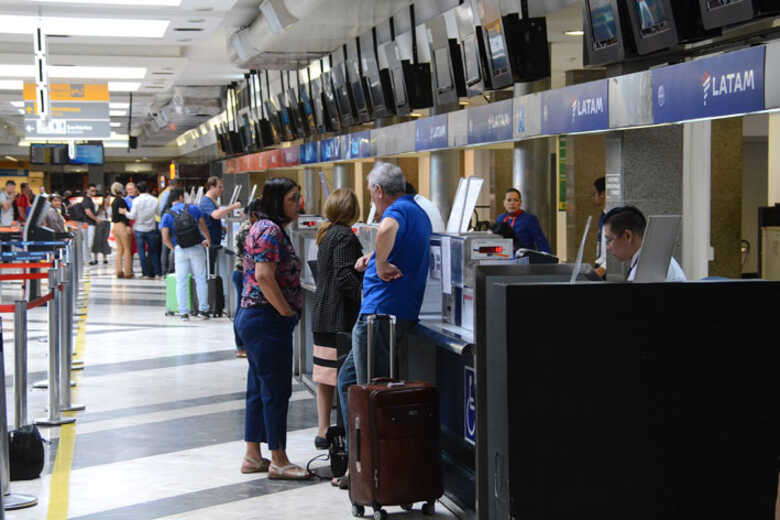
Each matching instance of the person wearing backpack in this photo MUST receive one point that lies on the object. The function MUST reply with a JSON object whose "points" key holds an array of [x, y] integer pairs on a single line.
{"points": [[184, 231]]}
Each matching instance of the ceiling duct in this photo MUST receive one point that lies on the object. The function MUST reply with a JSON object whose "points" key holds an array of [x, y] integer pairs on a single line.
{"points": [[188, 108]]}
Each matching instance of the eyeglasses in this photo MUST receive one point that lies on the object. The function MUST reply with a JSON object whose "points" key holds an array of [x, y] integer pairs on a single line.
{"points": [[296, 197]]}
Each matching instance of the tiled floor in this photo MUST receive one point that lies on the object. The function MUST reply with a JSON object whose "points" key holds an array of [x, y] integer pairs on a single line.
{"points": [[161, 436]]}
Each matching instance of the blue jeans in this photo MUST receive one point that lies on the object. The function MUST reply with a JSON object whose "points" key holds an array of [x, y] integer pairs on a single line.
{"points": [[238, 283], [152, 238], [353, 371], [191, 260], [267, 337]]}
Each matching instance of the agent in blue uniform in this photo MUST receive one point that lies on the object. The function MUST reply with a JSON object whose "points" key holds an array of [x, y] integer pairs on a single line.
{"points": [[528, 233]]}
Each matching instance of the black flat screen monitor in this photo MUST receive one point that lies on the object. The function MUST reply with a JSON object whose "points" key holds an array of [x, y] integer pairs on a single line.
{"points": [[399, 90], [318, 104], [529, 50], [88, 153], [652, 25], [300, 127], [343, 95], [332, 119], [284, 119], [306, 109], [446, 92], [34, 230], [498, 56], [472, 69], [272, 113], [603, 32], [43, 153], [720, 13]]}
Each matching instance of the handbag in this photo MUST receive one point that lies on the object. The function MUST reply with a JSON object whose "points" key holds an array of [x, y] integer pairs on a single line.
{"points": [[25, 453]]}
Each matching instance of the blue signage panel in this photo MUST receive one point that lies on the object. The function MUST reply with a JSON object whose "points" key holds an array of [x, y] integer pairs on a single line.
{"points": [[359, 145], [470, 406], [88, 154], [430, 133], [490, 123], [579, 108], [308, 153], [330, 150], [730, 83]]}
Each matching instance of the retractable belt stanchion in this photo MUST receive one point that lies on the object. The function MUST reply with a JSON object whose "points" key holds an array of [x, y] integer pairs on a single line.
{"points": [[54, 418], [66, 347], [10, 500], [20, 363], [69, 292]]}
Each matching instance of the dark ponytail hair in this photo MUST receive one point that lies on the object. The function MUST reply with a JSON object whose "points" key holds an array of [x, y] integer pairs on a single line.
{"points": [[272, 200]]}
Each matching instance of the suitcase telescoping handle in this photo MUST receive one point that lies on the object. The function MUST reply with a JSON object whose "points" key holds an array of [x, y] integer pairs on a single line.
{"points": [[370, 320]]}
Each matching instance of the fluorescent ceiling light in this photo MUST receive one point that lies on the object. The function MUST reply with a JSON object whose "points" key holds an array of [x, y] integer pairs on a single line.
{"points": [[117, 113], [115, 124], [101, 27], [17, 104], [574, 33], [11, 84], [119, 104], [161, 3], [14, 159], [78, 71], [20, 110], [122, 86]]}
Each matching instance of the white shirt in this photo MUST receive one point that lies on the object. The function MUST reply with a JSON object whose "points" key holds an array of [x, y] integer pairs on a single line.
{"points": [[675, 273], [143, 212], [434, 215], [6, 215]]}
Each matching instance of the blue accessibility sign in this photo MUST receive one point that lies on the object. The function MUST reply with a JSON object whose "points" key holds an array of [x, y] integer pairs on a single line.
{"points": [[470, 406]]}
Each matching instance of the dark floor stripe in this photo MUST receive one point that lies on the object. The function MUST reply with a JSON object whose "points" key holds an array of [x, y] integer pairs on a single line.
{"points": [[146, 440], [128, 301], [200, 500]]}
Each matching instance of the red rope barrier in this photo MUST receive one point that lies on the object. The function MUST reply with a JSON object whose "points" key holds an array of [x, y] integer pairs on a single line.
{"points": [[28, 265], [7, 308], [40, 301], [24, 276]]}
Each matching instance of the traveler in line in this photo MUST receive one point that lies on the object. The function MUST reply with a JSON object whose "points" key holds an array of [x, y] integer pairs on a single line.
{"points": [[238, 272], [599, 197], [122, 233], [271, 304], [624, 228], [53, 218], [131, 193], [7, 197], [23, 201], [214, 215], [90, 216], [337, 300], [166, 263], [395, 276], [184, 231], [100, 245], [528, 232], [143, 215]]}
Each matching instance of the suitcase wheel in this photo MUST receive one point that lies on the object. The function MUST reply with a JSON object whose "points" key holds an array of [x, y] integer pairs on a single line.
{"points": [[380, 514], [407, 507], [358, 511], [429, 508]]}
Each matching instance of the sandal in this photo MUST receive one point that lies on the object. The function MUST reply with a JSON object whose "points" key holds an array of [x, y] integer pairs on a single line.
{"points": [[252, 465], [288, 472], [340, 482]]}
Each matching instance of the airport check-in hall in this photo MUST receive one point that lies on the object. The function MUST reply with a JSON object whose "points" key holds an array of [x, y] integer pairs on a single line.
{"points": [[328, 259]]}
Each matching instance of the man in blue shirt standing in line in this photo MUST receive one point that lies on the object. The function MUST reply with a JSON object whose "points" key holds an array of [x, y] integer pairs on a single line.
{"points": [[395, 275], [214, 215], [528, 232]]}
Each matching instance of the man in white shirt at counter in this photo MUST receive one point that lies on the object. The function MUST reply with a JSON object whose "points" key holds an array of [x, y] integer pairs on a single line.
{"points": [[624, 228], [145, 228]]}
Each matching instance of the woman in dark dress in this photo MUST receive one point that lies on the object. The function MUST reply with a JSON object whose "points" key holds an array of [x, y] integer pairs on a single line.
{"points": [[337, 300]]}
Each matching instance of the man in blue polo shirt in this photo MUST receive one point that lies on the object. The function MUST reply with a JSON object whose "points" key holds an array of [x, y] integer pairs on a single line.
{"points": [[214, 215], [187, 238], [395, 274]]}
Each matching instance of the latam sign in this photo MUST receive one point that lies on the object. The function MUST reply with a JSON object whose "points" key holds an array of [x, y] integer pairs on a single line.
{"points": [[727, 84], [579, 108]]}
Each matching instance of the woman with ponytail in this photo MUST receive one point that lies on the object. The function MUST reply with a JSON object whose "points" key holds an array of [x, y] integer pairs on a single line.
{"points": [[337, 300]]}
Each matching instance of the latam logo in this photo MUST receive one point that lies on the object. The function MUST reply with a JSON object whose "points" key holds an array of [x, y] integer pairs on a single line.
{"points": [[727, 84], [586, 107]]}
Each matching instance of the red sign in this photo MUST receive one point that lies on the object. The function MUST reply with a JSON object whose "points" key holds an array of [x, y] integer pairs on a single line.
{"points": [[273, 158], [290, 156]]}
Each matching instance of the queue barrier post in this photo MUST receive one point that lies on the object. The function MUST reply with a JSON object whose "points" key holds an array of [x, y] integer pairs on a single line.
{"points": [[66, 347], [9, 500], [54, 418], [20, 363]]}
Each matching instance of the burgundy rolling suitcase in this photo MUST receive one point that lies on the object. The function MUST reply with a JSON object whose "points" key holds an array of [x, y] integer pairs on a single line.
{"points": [[394, 456]]}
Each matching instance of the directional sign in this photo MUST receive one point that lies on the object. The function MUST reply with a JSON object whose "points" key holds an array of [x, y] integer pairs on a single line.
{"points": [[77, 111]]}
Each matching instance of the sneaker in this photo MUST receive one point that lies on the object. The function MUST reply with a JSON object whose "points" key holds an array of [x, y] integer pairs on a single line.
{"points": [[203, 316], [185, 317]]}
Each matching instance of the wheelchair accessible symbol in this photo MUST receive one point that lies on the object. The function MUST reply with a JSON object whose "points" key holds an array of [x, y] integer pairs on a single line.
{"points": [[470, 406]]}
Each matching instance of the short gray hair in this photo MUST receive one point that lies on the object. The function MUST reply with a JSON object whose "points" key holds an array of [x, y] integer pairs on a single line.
{"points": [[389, 177]]}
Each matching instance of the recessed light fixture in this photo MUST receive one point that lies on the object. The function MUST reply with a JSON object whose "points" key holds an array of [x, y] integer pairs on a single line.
{"points": [[117, 113], [71, 71], [574, 33], [101, 27], [11, 84], [14, 159], [17, 104], [115, 124], [160, 3], [197, 20], [20, 110], [123, 86], [119, 104]]}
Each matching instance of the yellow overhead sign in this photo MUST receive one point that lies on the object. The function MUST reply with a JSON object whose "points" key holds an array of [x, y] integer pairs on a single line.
{"points": [[71, 92]]}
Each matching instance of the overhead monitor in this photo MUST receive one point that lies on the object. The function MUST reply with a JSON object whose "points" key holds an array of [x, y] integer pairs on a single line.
{"points": [[376, 96], [395, 77], [652, 25], [332, 119], [301, 130], [721, 13], [306, 108], [318, 104], [343, 95], [88, 153], [528, 48], [603, 33], [471, 63], [284, 119], [498, 57]]}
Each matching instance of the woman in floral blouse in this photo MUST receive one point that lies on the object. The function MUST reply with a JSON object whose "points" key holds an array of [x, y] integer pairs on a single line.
{"points": [[270, 307], [238, 271]]}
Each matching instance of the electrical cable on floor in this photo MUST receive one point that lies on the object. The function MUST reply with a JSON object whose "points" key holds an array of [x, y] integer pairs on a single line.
{"points": [[323, 457]]}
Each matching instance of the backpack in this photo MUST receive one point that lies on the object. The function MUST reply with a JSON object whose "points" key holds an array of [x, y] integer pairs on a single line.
{"points": [[25, 453], [76, 212], [185, 228]]}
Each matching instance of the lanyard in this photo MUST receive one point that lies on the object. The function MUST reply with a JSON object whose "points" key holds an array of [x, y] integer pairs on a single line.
{"points": [[506, 219]]}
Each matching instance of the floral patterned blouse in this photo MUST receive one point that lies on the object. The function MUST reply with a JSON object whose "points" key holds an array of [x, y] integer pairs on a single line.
{"points": [[267, 242]]}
